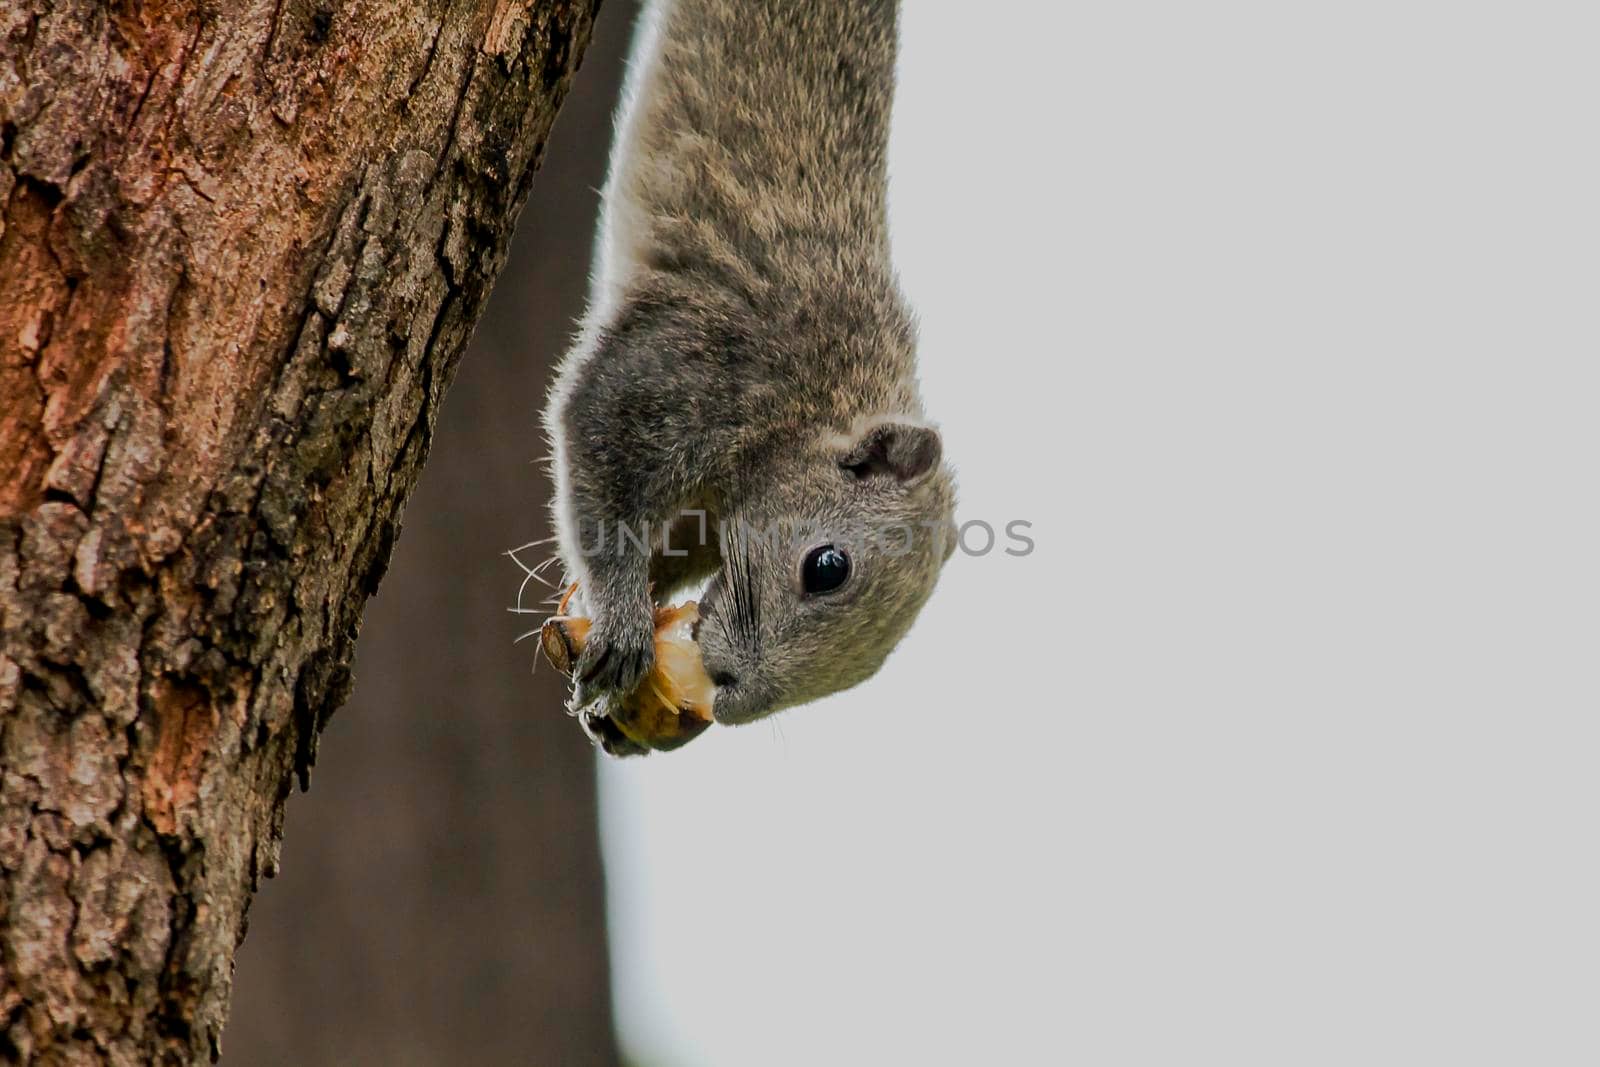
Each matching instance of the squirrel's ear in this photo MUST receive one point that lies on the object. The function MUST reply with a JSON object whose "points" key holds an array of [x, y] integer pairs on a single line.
{"points": [[897, 446]]}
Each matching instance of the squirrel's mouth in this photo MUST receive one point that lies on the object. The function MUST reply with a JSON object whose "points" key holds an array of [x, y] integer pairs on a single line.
{"points": [[744, 701], [728, 706]]}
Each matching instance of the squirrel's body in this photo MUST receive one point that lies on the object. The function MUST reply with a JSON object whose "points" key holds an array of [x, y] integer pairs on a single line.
{"points": [[747, 353]]}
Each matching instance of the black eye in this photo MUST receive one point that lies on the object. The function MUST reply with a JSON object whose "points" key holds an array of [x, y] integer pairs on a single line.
{"points": [[825, 569]]}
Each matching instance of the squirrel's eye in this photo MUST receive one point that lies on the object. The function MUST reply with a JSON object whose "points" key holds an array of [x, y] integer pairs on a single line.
{"points": [[825, 569]]}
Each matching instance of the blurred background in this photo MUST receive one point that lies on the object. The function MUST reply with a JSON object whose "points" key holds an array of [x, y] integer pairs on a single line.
{"points": [[1275, 324]]}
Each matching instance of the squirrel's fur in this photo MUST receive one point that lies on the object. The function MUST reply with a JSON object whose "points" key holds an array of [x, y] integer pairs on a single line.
{"points": [[747, 353]]}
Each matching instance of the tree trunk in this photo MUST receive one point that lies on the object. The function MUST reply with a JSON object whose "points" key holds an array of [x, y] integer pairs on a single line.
{"points": [[442, 898], [243, 246]]}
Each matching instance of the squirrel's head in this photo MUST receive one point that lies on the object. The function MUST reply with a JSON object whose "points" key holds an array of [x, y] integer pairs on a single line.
{"points": [[824, 570]]}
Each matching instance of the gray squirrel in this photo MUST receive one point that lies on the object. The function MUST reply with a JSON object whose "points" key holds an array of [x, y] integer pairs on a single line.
{"points": [[747, 363]]}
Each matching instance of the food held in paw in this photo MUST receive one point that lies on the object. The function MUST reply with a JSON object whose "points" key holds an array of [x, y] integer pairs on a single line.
{"points": [[670, 708]]}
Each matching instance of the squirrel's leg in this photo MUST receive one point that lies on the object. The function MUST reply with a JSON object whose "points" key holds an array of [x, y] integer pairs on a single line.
{"points": [[614, 581], [620, 488], [637, 455]]}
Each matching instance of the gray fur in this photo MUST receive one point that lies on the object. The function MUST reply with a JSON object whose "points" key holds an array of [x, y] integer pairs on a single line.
{"points": [[747, 352]]}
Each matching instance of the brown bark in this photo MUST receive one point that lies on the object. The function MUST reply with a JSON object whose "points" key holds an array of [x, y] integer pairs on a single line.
{"points": [[243, 246], [441, 900]]}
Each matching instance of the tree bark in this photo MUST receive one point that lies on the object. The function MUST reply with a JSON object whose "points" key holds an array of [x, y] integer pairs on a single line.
{"points": [[442, 899], [243, 246]]}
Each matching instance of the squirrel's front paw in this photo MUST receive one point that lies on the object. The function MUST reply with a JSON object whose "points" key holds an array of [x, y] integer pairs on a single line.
{"points": [[620, 652]]}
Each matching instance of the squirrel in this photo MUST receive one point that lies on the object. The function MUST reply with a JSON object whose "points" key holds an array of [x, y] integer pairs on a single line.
{"points": [[747, 361]]}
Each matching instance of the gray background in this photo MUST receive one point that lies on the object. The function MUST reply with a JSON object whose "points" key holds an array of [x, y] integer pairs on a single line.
{"points": [[1279, 321]]}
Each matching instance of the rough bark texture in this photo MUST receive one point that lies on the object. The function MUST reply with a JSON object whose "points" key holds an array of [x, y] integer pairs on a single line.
{"points": [[441, 900], [243, 246]]}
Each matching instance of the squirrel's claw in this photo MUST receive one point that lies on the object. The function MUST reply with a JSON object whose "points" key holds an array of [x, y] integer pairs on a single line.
{"points": [[613, 663], [603, 730]]}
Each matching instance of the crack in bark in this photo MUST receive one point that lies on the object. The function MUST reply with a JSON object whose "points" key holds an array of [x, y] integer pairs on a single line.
{"points": [[427, 61]]}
